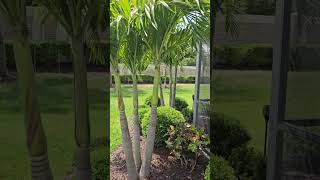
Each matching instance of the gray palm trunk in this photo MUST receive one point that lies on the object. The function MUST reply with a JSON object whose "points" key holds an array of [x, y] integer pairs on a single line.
{"points": [[170, 85], [126, 139], [136, 123], [82, 125], [174, 88], [3, 59], [36, 139], [146, 163], [161, 94]]}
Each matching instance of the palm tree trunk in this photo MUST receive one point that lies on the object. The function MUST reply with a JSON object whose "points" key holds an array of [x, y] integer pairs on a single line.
{"points": [[82, 125], [146, 163], [36, 139], [174, 89], [3, 59], [161, 94], [170, 85], [126, 139], [136, 136]]}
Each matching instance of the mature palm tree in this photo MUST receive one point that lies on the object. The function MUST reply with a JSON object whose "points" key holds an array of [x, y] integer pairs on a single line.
{"points": [[14, 12], [120, 13], [79, 19], [136, 60]]}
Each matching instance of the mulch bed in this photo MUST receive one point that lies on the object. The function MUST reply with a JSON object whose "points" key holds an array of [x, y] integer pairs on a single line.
{"points": [[164, 166]]}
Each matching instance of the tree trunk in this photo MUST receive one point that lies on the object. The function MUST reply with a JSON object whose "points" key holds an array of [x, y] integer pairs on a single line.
{"points": [[174, 89], [3, 59], [82, 125], [146, 163], [136, 123], [126, 139], [161, 94], [36, 139], [170, 85], [165, 77]]}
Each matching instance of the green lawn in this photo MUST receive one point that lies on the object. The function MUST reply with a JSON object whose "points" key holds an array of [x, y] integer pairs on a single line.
{"points": [[184, 91], [242, 94], [55, 96]]}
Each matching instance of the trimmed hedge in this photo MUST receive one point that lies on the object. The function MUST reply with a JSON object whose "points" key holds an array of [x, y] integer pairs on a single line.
{"points": [[148, 101], [219, 169], [251, 56], [180, 104], [167, 116], [148, 79]]}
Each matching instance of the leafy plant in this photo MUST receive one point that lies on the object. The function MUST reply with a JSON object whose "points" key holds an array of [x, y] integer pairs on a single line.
{"points": [[228, 134], [167, 117], [185, 143], [247, 163], [149, 100], [187, 114], [219, 169], [100, 169]]}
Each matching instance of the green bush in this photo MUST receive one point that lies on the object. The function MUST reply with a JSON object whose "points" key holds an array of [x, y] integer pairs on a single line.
{"points": [[167, 117], [100, 169], [187, 114], [185, 142], [149, 100], [142, 111], [247, 163], [219, 169], [227, 134], [180, 104]]}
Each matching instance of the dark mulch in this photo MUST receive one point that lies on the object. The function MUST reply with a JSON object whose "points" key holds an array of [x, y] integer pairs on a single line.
{"points": [[164, 166]]}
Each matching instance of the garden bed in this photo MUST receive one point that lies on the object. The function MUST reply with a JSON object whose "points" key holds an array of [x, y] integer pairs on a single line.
{"points": [[164, 166]]}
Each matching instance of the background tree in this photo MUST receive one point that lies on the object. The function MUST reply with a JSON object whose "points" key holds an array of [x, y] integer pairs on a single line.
{"points": [[79, 19], [14, 12]]}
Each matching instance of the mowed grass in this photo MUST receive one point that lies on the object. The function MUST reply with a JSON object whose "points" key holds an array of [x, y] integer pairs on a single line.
{"points": [[241, 95], [184, 91], [56, 104]]}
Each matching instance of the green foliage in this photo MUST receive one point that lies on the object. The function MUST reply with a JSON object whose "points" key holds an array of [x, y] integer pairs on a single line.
{"points": [[148, 79], [219, 169], [185, 142], [180, 104], [247, 163], [142, 111], [260, 7], [227, 134], [187, 114], [149, 100], [166, 117], [100, 169]]}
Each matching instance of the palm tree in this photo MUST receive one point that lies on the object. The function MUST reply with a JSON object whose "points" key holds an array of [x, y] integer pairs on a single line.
{"points": [[160, 19], [136, 60], [79, 19], [120, 13], [14, 12]]}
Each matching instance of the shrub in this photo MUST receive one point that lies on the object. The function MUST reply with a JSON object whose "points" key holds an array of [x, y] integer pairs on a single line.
{"points": [[142, 111], [227, 134], [187, 114], [100, 169], [149, 100], [167, 117], [185, 142], [219, 169], [180, 104], [247, 163]]}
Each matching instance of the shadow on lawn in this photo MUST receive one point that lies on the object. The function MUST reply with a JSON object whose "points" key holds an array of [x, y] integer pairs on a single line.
{"points": [[55, 96]]}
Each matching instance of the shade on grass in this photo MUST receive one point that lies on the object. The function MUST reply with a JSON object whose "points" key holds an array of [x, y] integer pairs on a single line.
{"points": [[241, 95], [55, 96], [184, 91]]}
